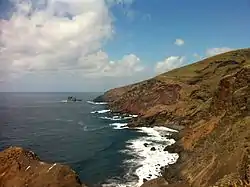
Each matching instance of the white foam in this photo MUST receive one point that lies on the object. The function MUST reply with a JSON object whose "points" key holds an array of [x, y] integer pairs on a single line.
{"points": [[114, 118], [133, 116], [97, 103], [128, 117], [157, 133], [100, 111], [147, 164], [115, 184], [80, 123], [64, 101], [118, 118], [64, 120], [68, 101], [152, 161], [119, 126], [87, 129]]}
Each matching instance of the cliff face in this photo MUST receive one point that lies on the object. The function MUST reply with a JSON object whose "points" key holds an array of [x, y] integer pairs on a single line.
{"points": [[20, 168], [210, 102]]}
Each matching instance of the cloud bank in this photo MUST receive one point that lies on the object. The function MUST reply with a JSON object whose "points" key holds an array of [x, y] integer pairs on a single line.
{"points": [[215, 51], [169, 63], [61, 35]]}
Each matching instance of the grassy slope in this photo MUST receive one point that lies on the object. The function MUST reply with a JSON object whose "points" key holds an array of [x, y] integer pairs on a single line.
{"points": [[210, 99], [198, 83], [210, 70]]}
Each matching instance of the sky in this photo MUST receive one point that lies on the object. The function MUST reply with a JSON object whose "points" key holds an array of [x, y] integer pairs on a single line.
{"points": [[96, 45]]}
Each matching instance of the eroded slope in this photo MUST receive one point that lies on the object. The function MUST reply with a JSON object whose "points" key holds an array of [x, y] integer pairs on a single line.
{"points": [[210, 102]]}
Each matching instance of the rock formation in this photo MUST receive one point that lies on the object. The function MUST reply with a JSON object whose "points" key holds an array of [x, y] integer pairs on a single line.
{"points": [[209, 102], [22, 168]]}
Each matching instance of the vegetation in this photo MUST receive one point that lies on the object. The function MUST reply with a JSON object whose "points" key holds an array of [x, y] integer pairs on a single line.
{"points": [[210, 101]]}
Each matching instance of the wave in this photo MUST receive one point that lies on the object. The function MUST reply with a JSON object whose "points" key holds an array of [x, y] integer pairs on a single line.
{"points": [[88, 129], [127, 117], [148, 156], [119, 126], [116, 183], [100, 111], [118, 118], [133, 115], [64, 120], [114, 118], [66, 101], [48, 102], [97, 103]]}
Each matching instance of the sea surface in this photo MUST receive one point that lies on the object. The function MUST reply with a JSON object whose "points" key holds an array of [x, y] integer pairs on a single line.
{"points": [[85, 135]]}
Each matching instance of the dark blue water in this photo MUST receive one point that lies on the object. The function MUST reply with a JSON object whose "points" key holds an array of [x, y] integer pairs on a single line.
{"points": [[64, 132]]}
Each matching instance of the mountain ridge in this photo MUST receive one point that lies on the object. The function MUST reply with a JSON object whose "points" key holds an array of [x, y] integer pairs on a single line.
{"points": [[209, 102]]}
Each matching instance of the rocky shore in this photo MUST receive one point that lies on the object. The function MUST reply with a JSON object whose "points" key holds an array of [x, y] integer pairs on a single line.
{"points": [[20, 168], [209, 102]]}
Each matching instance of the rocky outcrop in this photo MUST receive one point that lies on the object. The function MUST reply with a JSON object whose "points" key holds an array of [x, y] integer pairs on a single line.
{"points": [[21, 168], [217, 149], [209, 102]]}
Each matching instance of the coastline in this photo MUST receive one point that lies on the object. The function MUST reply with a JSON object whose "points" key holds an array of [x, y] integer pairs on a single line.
{"points": [[208, 102], [210, 109], [154, 162]]}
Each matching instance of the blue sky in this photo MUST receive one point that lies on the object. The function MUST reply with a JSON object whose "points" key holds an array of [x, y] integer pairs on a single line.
{"points": [[201, 24], [110, 43]]}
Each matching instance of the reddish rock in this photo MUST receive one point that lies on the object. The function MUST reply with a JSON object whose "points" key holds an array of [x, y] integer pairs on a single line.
{"points": [[23, 168], [209, 102]]}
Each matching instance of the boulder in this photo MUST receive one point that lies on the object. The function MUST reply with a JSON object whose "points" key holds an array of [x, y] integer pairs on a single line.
{"points": [[20, 168], [153, 149], [146, 144]]}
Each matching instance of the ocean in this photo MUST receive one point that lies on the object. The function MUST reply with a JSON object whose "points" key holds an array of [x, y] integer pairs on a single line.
{"points": [[85, 135]]}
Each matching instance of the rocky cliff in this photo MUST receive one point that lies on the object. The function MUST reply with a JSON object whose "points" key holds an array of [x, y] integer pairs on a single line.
{"points": [[209, 102], [21, 168]]}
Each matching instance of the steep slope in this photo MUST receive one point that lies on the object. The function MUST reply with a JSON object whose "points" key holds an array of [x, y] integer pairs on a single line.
{"points": [[209, 101], [20, 168]]}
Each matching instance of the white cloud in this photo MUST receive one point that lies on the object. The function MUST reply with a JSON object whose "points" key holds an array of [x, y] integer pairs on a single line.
{"points": [[65, 35], [169, 63], [197, 56], [127, 66], [122, 2], [215, 51], [179, 42]]}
